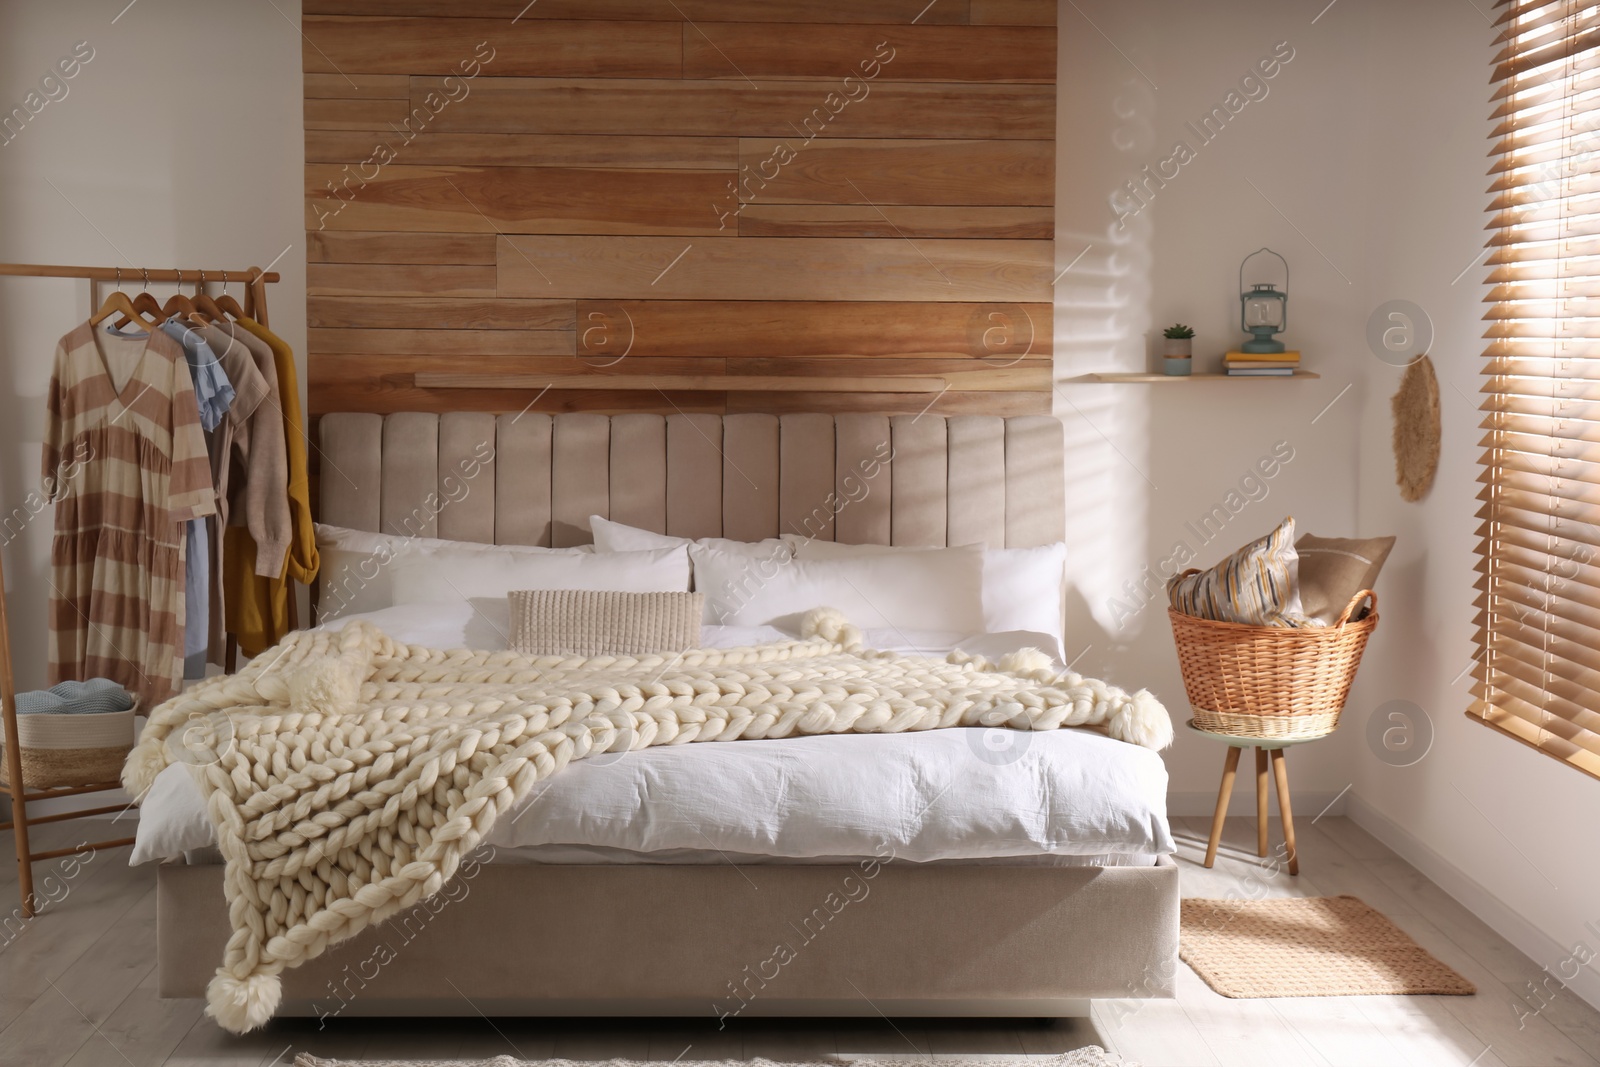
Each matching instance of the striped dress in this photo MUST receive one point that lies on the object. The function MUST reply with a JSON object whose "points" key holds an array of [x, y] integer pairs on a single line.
{"points": [[125, 462]]}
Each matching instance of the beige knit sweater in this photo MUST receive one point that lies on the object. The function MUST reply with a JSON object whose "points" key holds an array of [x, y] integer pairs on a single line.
{"points": [[257, 486]]}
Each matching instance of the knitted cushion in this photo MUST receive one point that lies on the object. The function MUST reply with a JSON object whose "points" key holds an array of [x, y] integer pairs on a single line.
{"points": [[584, 622], [1257, 585], [97, 696]]}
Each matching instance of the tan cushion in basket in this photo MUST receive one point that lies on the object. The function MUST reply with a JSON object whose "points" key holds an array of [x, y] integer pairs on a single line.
{"points": [[585, 622], [1334, 569]]}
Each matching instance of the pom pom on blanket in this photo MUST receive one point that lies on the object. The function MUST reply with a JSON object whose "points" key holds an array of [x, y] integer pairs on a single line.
{"points": [[1142, 721], [319, 675], [330, 685], [1025, 661], [242, 1004], [140, 770], [831, 625]]}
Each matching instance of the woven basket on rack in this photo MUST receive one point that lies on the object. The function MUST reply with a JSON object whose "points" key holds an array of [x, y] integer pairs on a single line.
{"points": [[68, 750], [1271, 682]]}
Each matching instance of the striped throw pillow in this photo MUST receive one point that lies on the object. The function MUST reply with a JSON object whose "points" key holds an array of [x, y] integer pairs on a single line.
{"points": [[1259, 585]]}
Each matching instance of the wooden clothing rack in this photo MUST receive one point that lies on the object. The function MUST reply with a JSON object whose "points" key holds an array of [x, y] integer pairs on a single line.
{"points": [[255, 282]]}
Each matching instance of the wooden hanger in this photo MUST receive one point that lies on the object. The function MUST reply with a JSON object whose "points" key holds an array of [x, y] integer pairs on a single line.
{"points": [[227, 303], [149, 305], [143, 304], [208, 309], [119, 302], [176, 304], [203, 304]]}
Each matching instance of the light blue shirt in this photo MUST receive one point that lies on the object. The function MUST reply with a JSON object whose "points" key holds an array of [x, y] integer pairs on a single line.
{"points": [[213, 393], [212, 390]]}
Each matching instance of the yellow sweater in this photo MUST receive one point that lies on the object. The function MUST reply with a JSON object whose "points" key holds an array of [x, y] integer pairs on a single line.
{"points": [[262, 610]]}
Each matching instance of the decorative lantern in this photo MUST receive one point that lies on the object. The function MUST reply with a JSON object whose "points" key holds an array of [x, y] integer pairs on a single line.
{"points": [[1263, 308]]}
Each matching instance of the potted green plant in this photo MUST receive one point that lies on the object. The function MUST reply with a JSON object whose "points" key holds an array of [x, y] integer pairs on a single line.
{"points": [[1177, 349]]}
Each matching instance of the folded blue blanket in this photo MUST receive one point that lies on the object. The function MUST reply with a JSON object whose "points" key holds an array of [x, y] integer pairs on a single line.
{"points": [[94, 697]]}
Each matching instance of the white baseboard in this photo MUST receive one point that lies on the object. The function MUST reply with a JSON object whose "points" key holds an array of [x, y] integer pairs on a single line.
{"points": [[1472, 895], [1309, 804]]}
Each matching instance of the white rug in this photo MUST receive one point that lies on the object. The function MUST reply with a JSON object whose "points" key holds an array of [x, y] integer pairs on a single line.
{"points": [[1089, 1056]]}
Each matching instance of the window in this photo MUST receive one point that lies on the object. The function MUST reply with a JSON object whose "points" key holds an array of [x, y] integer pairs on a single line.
{"points": [[1538, 669]]}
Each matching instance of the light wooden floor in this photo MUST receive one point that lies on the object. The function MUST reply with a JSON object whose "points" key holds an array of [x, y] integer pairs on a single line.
{"points": [[77, 988]]}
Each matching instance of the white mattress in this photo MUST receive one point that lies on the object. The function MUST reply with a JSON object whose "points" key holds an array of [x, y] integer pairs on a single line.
{"points": [[485, 622], [594, 855], [941, 796]]}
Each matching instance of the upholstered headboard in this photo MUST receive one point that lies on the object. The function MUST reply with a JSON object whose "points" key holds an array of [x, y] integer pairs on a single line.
{"points": [[535, 479]]}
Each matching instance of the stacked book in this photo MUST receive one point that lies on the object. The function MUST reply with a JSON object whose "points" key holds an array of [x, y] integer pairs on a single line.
{"points": [[1261, 364]]}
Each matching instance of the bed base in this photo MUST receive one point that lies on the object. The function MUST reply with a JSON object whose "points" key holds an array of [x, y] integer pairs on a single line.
{"points": [[503, 1007], [897, 939]]}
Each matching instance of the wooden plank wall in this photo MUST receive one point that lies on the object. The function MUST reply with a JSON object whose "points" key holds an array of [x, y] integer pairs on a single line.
{"points": [[680, 205]]}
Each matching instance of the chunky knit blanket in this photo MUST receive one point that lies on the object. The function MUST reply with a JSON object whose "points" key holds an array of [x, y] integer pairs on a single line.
{"points": [[348, 774]]}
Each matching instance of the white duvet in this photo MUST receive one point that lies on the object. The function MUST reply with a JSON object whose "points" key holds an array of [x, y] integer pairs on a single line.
{"points": [[937, 795]]}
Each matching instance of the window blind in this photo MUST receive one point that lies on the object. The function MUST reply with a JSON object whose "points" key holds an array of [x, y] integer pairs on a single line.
{"points": [[1538, 624]]}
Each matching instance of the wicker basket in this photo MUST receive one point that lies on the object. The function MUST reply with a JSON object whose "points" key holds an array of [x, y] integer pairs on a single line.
{"points": [[69, 750], [1271, 682]]}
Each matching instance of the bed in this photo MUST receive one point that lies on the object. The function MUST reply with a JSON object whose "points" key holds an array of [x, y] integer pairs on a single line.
{"points": [[927, 874]]}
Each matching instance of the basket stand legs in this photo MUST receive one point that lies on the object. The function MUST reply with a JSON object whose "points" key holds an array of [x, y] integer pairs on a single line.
{"points": [[1261, 802], [1269, 764], [1230, 768], [1281, 771]]}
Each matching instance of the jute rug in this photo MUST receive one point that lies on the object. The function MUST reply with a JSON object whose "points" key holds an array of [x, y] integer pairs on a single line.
{"points": [[1308, 947], [1088, 1056]]}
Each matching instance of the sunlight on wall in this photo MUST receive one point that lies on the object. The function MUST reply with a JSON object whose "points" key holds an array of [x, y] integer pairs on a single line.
{"points": [[1102, 313]]}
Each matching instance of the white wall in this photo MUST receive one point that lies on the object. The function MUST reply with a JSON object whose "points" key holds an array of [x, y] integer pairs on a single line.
{"points": [[1510, 832], [1372, 146], [1146, 460], [179, 144]]}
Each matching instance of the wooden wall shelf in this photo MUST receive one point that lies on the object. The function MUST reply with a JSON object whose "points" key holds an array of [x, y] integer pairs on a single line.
{"points": [[1117, 376], [979, 381]]}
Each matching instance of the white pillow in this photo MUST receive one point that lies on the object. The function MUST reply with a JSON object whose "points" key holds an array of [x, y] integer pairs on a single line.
{"points": [[1022, 590], [617, 537], [1022, 587], [357, 573], [477, 622], [170, 822], [940, 589], [420, 579]]}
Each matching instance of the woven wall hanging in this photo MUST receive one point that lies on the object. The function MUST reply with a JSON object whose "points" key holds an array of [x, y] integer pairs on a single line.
{"points": [[1416, 429]]}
